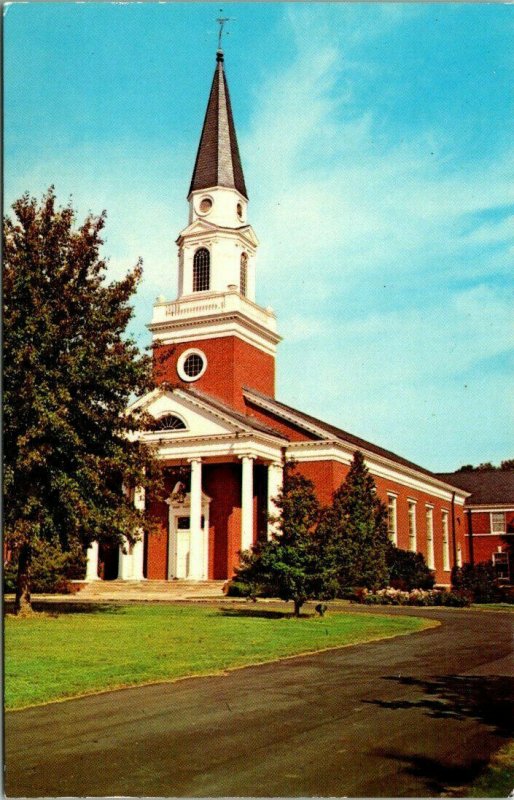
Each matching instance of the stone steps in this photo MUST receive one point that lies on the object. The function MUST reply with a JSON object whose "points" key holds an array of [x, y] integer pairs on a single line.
{"points": [[140, 589]]}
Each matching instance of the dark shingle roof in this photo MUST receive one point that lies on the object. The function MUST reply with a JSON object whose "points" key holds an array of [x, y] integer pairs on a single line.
{"points": [[350, 438], [244, 419], [487, 486], [217, 161]]}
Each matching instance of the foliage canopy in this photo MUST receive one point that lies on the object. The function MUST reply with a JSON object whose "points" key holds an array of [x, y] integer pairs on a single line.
{"points": [[69, 371]]}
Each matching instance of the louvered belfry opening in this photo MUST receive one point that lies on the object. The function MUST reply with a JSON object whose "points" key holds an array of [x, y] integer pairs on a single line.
{"points": [[201, 270], [243, 274]]}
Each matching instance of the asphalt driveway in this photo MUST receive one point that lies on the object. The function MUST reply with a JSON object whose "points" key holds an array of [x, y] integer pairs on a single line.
{"points": [[415, 716]]}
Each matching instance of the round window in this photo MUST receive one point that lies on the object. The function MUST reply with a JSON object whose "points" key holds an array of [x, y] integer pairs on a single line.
{"points": [[205, 205], [191, 365]]}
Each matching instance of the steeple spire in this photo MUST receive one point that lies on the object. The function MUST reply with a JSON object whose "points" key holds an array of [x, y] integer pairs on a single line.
{"points": [[217, 161]]}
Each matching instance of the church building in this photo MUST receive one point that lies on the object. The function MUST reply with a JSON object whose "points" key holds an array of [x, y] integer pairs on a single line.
{"points": [[217, 419]]}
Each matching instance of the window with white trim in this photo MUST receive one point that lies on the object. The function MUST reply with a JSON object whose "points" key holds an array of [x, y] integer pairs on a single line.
{"points": [[201, 270], [392, 518], [169, 422], [446, 541], [191, 365], [429, 516], [412, 526], [497, 522]]}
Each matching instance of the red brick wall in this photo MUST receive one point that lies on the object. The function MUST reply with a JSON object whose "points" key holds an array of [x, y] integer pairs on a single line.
{"points": [[157, 543], [231, 364], [222, 482], [485, 543], [328, 475]]}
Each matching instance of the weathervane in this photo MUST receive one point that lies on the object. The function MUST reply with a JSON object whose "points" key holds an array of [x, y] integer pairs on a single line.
{"points": [[221, 22]]}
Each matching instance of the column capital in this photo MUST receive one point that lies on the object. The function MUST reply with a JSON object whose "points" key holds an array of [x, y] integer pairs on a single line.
{"points": [[247, 455], [194, 460]]}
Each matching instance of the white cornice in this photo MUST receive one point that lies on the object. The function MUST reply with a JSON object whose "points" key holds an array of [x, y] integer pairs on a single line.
{"points": [[201, 229], [216, 327], [380, 467], [231, 445], [475, 508]]}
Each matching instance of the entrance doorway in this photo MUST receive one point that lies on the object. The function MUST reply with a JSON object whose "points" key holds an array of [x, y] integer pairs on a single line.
{"points": [[179, 539]]}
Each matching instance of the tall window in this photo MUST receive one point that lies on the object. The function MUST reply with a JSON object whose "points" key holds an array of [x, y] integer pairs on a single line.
{"points": [[243, 274], [392, 528], [201, 270], [430, 537], [412, 526], [446, 542], [497, 522]]}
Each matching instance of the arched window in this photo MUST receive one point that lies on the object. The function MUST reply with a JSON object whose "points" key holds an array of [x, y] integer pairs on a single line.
{"points": [[201, 270], [169, 422], [243, 274]]}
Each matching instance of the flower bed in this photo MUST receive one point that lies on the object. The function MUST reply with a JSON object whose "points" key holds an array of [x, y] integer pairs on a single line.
{"points": [[416, 597]]}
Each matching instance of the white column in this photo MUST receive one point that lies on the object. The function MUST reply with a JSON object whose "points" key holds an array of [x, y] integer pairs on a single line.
{"points": [[195, 522], [125, 562], [275, 480], [92, 562], [247, 503], [138, 547]]}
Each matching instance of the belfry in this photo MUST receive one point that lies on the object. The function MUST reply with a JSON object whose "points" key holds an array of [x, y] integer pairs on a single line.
{"points": [[220, 338], [219, 431]]}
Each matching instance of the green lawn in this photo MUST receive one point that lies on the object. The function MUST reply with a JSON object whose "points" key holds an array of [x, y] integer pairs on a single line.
{"points": [[55, 656], [498, 779]]}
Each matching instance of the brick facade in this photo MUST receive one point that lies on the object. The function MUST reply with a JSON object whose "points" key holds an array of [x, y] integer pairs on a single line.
{"points": [[231, 364]]}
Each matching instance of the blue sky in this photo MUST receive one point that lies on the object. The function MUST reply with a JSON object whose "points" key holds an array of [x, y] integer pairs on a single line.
{"points": [[377, 145]]}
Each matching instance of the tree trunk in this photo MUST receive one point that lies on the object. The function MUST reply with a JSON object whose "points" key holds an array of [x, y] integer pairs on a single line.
{"points": [[22, 604], [297, 606]]}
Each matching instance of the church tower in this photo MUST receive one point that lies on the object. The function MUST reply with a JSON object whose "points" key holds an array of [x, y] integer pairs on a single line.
{"points": [[214, 337]]}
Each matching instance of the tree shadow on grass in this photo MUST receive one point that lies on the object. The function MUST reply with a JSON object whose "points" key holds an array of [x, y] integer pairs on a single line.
{"points": [[486, 698], [56, 609], [267, 613]]}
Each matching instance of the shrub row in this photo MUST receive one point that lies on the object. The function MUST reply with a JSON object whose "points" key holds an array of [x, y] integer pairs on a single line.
{"points": [[416, 597]]}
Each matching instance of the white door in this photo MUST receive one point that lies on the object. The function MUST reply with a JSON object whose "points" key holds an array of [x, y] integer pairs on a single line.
{"points": [[182, 547]]}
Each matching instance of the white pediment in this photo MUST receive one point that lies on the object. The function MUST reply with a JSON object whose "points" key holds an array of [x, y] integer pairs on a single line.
{"points": [[198, 419], [200, 227]]}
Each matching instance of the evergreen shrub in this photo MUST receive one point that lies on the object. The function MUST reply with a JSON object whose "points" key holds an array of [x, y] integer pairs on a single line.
{"points": [[480, 581], [408, 570], [52, 569]]}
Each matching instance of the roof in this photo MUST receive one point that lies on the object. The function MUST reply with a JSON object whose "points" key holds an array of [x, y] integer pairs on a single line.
{"points": [[244, 419], [488, 487], [217, 161], [348, 437]]}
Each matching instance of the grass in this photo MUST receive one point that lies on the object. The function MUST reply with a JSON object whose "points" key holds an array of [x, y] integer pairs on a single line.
{"points": [[493, 607], [49, 657], [498, 779]]}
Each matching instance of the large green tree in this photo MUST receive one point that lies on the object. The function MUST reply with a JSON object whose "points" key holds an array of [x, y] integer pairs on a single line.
{"points": [[287, 566], [352, 535], [69, 370]]}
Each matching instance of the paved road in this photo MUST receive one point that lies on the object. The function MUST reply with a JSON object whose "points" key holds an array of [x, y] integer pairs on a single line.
{"points": [[415, 716]]}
